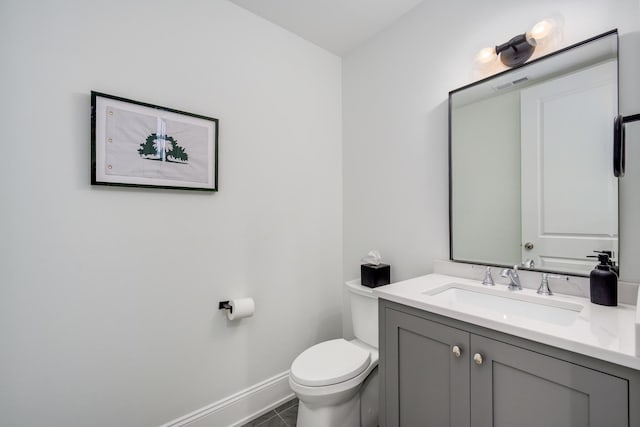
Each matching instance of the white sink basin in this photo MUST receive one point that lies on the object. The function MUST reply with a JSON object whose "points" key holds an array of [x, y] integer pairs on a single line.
{"points": [[507, 304]]}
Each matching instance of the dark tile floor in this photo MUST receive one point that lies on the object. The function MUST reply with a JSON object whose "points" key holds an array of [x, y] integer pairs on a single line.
{"points": [[284, 415]]}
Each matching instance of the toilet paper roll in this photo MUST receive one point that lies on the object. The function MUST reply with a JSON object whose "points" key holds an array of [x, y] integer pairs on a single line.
{"points": [[241, 308]]}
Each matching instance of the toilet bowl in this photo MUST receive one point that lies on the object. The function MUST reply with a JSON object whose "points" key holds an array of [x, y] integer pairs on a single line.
{"points": [[336, 381]]}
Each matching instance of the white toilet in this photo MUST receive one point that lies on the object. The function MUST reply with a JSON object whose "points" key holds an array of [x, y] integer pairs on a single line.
{"points": [[336, 381]]}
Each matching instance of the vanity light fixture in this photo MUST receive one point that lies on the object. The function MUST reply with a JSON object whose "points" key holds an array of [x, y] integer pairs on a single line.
{"points": [[519, 49]]}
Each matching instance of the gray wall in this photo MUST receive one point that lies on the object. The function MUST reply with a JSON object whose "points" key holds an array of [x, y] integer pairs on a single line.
{"points": [[106, 321], [486, 153]]}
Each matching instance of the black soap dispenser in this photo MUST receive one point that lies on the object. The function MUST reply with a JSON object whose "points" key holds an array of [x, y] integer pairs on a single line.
{"points": [[604, 282], [611, 263]]}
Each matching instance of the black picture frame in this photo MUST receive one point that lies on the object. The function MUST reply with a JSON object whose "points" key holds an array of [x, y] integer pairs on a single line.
{"points": [[137, 144]]}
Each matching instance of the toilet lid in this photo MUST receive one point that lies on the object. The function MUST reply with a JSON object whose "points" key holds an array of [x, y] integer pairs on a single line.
{"points": [[330, 362]]}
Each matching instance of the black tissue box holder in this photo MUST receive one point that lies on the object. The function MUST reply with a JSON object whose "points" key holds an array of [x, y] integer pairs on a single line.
{"points": [[375, 275]]}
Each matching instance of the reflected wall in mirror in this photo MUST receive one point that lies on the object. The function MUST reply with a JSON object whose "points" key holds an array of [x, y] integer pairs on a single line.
{"points": [[531, 162]]}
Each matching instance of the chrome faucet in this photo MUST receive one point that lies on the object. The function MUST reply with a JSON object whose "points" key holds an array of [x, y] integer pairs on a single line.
{"points": [[514, 279], [544, 288], [528, 263], [488, 279]]}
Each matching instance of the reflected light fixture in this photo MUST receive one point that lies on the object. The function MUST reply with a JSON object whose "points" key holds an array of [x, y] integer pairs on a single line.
{"points": [[519, 49]]}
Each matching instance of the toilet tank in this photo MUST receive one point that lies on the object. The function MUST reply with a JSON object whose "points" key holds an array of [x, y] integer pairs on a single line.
{"points": [[364, 312]]}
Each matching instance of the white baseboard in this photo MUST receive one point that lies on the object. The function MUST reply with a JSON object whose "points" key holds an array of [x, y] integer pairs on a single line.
{"points": [[241, 407]]}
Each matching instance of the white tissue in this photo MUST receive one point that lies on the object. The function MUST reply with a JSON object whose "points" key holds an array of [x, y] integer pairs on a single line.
{"points": [[373, 257], [241, 308]]}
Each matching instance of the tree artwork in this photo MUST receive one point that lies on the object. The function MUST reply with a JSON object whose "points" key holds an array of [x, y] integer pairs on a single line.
{"points": [[163, 148], [177, 152]]}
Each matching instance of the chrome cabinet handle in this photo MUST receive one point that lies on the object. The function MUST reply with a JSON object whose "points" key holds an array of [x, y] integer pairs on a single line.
{"points": [[477, 358], [457, 351]]}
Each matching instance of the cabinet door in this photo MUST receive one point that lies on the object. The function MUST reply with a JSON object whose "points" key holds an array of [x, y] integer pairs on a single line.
{"points": [[517, 387], [427, 383]]}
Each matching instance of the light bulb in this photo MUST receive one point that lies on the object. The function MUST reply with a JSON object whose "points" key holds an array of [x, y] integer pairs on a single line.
{"points": [[541, 30], [486, 55]]}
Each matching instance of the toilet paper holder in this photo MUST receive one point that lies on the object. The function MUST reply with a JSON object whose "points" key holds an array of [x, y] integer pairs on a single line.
{"points": [[224, 305], [238, 308]]}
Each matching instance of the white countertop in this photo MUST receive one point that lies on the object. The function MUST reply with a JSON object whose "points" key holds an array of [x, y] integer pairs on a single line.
{"points": [[607, 333]]}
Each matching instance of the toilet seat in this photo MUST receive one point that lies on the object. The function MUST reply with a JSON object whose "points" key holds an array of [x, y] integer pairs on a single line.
{"points": [[330, 362]]}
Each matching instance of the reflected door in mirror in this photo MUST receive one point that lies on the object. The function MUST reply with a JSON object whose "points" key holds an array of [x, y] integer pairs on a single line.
{"points": [[569, 193]]}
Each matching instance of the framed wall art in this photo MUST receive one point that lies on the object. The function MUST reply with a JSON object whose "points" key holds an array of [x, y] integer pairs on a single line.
{"points": [[143, 145]]}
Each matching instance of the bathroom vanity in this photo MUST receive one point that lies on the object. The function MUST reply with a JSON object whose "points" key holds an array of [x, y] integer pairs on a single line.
{"points": [[448, 358], [454, 352]]}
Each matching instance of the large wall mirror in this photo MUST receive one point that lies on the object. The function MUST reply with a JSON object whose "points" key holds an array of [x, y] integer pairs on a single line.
{"points": [[531, 162]]}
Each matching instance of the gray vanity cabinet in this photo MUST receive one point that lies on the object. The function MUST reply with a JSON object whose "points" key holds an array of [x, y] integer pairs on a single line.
{"points": [[494, 380], [425, 381], [518, 387]]}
